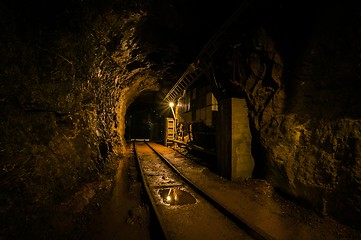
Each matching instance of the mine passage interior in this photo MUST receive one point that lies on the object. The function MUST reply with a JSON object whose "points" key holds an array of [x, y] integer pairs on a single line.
{"points": [[270, 89], [144, 118]]}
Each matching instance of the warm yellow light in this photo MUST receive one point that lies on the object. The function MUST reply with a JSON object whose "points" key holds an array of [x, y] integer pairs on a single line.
{"points": [[171, 104], [169, 198]]}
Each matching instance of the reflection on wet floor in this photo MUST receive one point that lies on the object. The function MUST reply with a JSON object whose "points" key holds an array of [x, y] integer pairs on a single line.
{"points": [[176, 196]]}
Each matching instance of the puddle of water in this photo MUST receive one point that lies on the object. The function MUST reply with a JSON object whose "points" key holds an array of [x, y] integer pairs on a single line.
{"points": [[176, 196]]}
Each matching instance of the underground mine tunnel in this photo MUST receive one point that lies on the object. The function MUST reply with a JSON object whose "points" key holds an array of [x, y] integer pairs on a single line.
{"points": [[279, 87]]}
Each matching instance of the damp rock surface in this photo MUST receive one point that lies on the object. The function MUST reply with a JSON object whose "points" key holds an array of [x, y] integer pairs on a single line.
{"points": [[71, 69]]}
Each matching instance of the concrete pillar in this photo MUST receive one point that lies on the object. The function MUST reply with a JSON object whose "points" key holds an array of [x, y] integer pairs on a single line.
{"points": [[234, 158]]}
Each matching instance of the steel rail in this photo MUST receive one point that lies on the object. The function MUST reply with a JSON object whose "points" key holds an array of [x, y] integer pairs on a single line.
{"points": [[240, 222], [154, 206]]}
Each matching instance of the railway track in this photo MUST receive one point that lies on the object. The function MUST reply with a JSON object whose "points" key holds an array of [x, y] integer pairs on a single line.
{"points": [[182, 209]]}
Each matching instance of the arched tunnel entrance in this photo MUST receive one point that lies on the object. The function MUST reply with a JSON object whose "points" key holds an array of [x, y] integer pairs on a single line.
{"points": [[144, 119]]}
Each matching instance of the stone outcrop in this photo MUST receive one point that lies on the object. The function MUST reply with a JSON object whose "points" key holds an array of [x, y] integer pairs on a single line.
{"points": [[301, 79], [68, 73]]}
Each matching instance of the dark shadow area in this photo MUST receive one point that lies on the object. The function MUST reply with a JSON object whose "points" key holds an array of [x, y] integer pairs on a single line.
{"points": [[259, 155], [204, 158], [144, 118]]}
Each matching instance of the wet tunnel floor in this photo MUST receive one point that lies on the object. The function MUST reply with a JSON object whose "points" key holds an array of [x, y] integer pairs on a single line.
{"points": [[258, 204], [125, 215], [176, 196]]}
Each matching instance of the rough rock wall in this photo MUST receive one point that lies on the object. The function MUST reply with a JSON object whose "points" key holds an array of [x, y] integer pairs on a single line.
{"points": [[68, 72], [301, 78]]}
